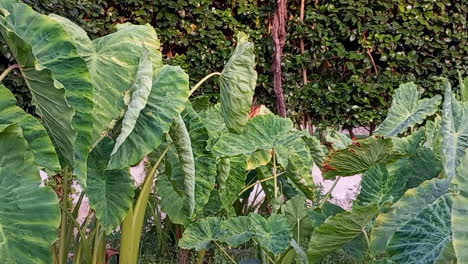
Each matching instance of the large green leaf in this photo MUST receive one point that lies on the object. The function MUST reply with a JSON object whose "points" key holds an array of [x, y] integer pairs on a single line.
{"points": [[30, 214], [403, 211], [417, 168], [214, 123], [295, 209], [423, 238], [418, 165], [446, 255], [34, 133], [378, 186], [237, 230], [116, 62], [172, 202], [261, 133], [110, 192], [204, 178], [299, 165], [264, 133], [229, 193], [181, 139], [273, 234], [407, 110], [338, 230], [454, 131], [410, 144], [200, 234], [205, 163], [167, 99], [140, 92], [317, 150], [433, 136], [460, 211], [237, 84], [359, 157], [319, 215], [57, 77]]}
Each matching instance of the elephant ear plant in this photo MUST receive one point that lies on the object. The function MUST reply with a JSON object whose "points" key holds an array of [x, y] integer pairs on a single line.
{"points": [[103, 105], [412, 204]]}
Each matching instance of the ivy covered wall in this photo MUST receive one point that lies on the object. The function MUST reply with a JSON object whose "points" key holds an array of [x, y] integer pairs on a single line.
{"points": [[356, 51]]}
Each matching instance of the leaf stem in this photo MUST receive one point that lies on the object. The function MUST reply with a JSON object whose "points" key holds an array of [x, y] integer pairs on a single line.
{"points": [[366, 237], [80, 232], [8, 70], [327, 196], [224, 252], [132, 226], [275, 181], [63, 225], [201, 256], [255, 183], [202, 81]]}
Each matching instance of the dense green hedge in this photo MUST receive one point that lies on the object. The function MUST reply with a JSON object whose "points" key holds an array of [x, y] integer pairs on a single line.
{"points": [[407, 39]]}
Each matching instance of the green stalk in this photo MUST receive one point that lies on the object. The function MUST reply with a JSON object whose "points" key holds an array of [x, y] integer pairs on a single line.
{"points": [[275, 179], [224, 252], [201, 256], [327, 196], [99, 248], [132, 225], [202, 81], [366, 237], [80, 232], [255, 183], [63, 251], [71, 227]]}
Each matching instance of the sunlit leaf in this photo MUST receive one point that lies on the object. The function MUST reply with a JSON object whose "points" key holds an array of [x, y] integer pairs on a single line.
{"points": [[403, 211], [407, 110], [423, 238]]}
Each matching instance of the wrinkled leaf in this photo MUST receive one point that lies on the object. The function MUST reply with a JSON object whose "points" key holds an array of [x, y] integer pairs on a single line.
{"points": [[273, 233], [378, 186], [337, 230], [460, 211], [237, 84], [61, 88], [140, 91], [167, 99], [403, 211], [359, 157], [238, 230], [423, 238], [200, 234], [454, 131], [407, 110], [235, 182], [261, 133], [181, 139]]}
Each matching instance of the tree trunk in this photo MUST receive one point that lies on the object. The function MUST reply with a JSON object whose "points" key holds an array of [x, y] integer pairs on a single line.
{"points": [[278, 33], [302, 46]]}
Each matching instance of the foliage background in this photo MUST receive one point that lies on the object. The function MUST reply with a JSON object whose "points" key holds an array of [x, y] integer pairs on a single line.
{"points": [[409, 40]]}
